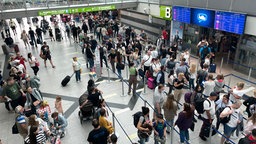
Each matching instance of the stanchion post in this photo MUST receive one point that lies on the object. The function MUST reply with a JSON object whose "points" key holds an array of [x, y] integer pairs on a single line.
{"points": [[221, 64], [127, 71], [210, 135], [144, 91], [249, 75], [172, 134], [228, 56], [122, 80], [145, 103], [113, 118], [108, 75]]}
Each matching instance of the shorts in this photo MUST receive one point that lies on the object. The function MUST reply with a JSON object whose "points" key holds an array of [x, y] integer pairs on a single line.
{"points": [[13, 27], [228, 130], [49, 57]]}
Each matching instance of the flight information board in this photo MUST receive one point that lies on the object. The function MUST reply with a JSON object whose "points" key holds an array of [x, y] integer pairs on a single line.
{"points": [[181, 14], [230, 22]]}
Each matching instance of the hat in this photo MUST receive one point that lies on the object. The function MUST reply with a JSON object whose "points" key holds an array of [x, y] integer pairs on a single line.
{"points": [[213, 94], [18, 109]]}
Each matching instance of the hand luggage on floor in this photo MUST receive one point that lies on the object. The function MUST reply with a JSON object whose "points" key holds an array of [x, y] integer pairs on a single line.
{"points": [[66, 80], [212, 68], [151, 83]]}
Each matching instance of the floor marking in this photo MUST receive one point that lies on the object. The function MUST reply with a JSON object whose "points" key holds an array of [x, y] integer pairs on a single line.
{"points": [[133, 136], [71, 53], [121, 111], [109, 96], [139, 90], [85, 73], [100, 82]]}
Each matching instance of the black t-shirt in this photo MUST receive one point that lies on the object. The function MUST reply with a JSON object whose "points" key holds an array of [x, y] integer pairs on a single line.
{"points": [[31, 33], [98, 136], [178, 82], [94, 98], [45, 50], [112, 55], [38, 31]]}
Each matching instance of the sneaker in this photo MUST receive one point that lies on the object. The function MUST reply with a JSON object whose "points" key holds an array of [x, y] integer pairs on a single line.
{"points": [[53, 66], [202, 138], [168, 132]]}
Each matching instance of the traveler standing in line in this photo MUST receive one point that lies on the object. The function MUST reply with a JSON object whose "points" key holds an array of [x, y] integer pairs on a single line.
{"points": [[209, 85], [170, 111], [250, 104], [202, 75], [33, 62], [184, 122], [208, 115], [158, 99], [24, 37], [171, 78], [77, 69], [39, 32], [45, 53], [112, 59], [32, 37], [90, 57], [99, 135], [74, 32], [51, 34], [192, 77], [13, 26], [144, 126], [119, 63], [133, 79], [146, 61], [237, 92], [21, 121], [219, 83], [179, 84], [233, 112], [250, 124], [160, 77], [103, 53], [159, 129]]}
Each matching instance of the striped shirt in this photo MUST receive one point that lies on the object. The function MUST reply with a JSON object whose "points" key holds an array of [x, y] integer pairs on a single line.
{"points": [[40, 138]]}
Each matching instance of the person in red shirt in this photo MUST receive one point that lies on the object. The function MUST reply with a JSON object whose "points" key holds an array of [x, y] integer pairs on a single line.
{"points": [[164, 36], [21, 59], [249, 139]]}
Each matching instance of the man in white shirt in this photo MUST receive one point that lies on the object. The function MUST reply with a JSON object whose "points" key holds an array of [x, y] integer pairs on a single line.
{"points": [[237, 92], [146, 61], [158, 99], [209, 113]]}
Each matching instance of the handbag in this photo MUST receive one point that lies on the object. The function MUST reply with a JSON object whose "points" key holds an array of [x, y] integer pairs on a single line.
{"points": [[15, 129], [37, 63], [42, 56]]}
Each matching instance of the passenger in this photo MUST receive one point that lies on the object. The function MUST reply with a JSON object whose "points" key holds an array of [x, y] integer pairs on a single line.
{"points": [[159, 130], [58, 105], [112, 59], [192, 77], [39, 34], [233, 112], [51, 34], [179, 83], [209, 85], [158, 99], [21, 121], [60, 122], [182, 68], [219, 83], [146, 61], [32, 37], [184, 122], [45, 53], [160, 77], [113, 139], [237, 92], [33, 99], [251, 138], [99, 135], [32, 82], [171, 78], [132, 79], [170, 111], [144, 126], [119, 64], [250, 124], [33, 62], [35, 136], [208, 115], [25, 38], [77, 69], [156, 67], [38, 122], [250, 104], [104, 122], [202, 75]]}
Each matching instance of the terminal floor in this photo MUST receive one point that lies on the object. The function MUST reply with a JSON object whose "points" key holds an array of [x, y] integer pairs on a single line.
{"points": [[123, 106]]}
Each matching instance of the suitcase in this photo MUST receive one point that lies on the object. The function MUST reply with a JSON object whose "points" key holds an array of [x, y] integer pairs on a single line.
{"points": [[212, 68], [141, 73], [151, 84], [66, 80], [5, 49]]}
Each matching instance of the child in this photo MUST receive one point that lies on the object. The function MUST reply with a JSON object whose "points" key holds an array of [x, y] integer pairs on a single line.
{"points": [[58, 105]]}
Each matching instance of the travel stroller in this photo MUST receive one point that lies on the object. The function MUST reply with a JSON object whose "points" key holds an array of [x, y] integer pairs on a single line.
{"points": [[58, 34], [87, 111]]}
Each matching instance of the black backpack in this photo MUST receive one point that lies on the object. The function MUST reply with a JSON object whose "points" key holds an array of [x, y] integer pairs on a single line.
{"points": [[170, 64], [199, 104], [225, 119], [136, 118], [246, 140]]}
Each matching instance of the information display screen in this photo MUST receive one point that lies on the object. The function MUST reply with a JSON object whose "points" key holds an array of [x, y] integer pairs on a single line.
{"points": [[230, 22], [202, 17], [181, 14]]}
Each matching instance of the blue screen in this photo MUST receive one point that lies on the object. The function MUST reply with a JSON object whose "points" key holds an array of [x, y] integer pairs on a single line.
{"points": [[181, 14], [230, 22], [201, 17]]}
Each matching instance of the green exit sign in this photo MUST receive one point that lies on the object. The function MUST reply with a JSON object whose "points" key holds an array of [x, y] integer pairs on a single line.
{"points": [[76, 10]]}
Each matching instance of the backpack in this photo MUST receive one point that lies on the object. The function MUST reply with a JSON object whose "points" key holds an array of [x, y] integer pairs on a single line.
{"points": [[252, 108], [187, 97], [225, 119], [136, 118], [246, 140], [199, 104], [170, 64], [204, 52], [201, 76]]}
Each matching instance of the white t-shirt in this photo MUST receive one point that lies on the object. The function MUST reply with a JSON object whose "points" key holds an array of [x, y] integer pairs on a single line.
{"points": [[156, 67], [207, 61], [154, 54], [233, 118], [158, 97], [20, 67], [208, 87], [76, 65], [186, 56], [147, 60], [33, 59], [208, 106], [239, 93], [220, 104]]}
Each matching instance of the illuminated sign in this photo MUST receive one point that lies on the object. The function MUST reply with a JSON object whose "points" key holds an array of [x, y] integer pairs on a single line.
{"points": [[166, 12]]}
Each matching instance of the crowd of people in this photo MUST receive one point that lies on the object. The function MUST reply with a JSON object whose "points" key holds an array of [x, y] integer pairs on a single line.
{"points": [[161, 66]]}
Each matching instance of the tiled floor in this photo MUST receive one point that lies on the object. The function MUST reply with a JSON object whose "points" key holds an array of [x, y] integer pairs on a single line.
{"points": [[122, 106]]}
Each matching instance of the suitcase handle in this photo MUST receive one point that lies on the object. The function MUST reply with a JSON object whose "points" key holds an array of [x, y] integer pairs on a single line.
{"points": [[72, 75]]}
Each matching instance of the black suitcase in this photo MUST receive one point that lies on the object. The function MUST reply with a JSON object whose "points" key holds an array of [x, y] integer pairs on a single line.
{"points": [[212, 68], [66, 80], [141, 73]]}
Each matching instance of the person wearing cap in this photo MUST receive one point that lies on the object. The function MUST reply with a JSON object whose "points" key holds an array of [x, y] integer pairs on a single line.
{"points": [[209, 113], [160, 129], [21, 121], [13, 93]]}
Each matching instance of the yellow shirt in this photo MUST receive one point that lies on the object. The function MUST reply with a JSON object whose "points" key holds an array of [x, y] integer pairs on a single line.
{"points": [[106, 124]]}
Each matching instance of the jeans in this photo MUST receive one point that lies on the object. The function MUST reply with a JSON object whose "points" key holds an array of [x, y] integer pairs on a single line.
{"points": [[91, 62], [119, 71], [40, 37], [143, 140], [33, 39], [170, 122], [105, 60], [78, 75], [191, 83], [170, 88], [132, 81], [184, 135]]}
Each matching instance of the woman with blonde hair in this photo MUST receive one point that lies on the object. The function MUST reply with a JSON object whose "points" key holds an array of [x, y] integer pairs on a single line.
{"points": [[24, 37], [192, 77], [170, 111], [250, 125]]}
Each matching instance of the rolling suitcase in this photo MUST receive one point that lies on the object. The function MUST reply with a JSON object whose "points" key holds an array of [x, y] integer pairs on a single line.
{"points": [[212, 68], [66, 80], [151, 83]]}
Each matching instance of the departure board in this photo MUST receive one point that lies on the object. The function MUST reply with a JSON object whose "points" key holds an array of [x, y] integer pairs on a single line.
{"points": [[181, 14], [230, 22]]}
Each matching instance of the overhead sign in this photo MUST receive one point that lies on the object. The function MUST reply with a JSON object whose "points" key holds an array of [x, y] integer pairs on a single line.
{"points": [[166, 12], [202, 17], [181, 14], [76, 10]]}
